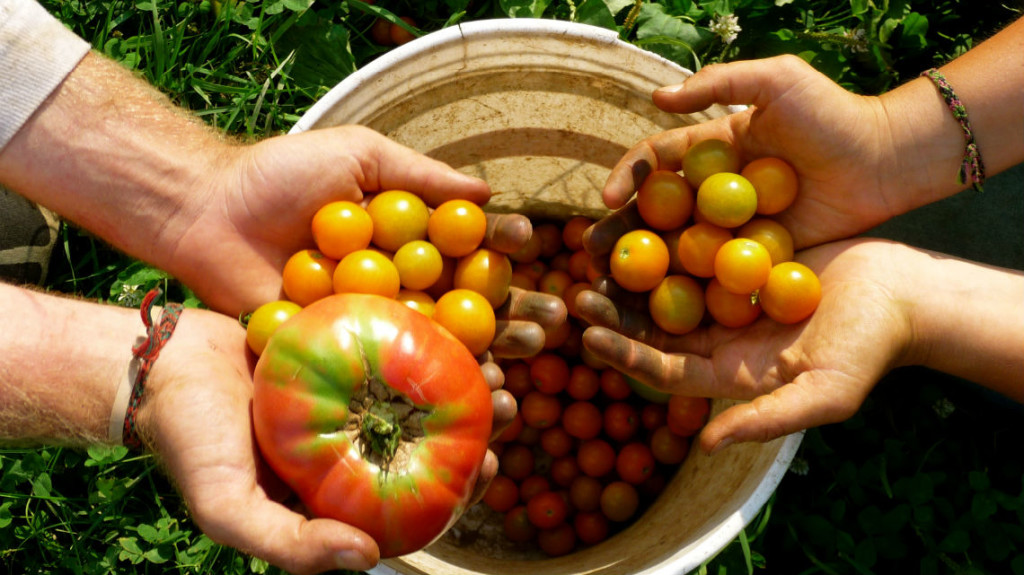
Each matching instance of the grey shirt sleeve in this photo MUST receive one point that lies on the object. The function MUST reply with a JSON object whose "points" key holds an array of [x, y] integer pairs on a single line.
{"points": [[36, 53]]}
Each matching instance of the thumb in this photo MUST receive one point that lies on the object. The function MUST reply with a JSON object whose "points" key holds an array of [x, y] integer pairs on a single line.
{"points": [[289, 540], [745, 82], [809, 401]]}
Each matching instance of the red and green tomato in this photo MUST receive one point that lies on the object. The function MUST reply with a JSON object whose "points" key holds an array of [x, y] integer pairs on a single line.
{"points": [[375, 416]]}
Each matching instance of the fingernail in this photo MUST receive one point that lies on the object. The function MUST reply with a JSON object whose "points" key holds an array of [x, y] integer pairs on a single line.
{"points": [[670, 89], [721, 445], [352, 560]]}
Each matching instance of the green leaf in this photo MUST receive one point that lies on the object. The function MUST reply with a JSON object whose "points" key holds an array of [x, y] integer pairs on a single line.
{"points": [[958, 541], [982, 506], [997, 545], [130, 550], [524, 8], [595, 13], [158, 555], [871, 520], [670, 37], [150, 534], [108, 490], [914, 33], [257, 565], [6, 517], [104, 455], [616, 6], [322, 55], [978, 480], [866, 555], [42, 486], [924, 516]]}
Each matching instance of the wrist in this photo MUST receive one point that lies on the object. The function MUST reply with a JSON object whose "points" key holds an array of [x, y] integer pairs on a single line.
{"points": [[927, 145], [62, 363], [966, 320]]}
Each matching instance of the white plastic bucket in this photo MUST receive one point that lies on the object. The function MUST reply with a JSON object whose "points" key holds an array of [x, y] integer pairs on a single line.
{"points": [[542, 109]]}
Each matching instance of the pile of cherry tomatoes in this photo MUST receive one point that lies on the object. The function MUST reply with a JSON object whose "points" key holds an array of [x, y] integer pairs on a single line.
{"points": [[709, 245], [431, 260], [590, 449]]}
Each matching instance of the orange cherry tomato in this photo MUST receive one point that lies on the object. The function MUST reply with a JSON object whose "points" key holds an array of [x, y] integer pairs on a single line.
{"points": [[263, 322], [367, 271], [698, 245], [417, 300], [579, 263], [677, 304], [770, 234], [665, 200], [635, 463], [667, 447], [742, 265], [549, 372], [398, 217], [487, 272], [468, 316], [419, 264], [554, 282], [775, 182], [730, 309], [727, 200], [639, 260], [791, 294], [671, 237], [307, 276], [619, 501], [502, 494], [572, 233], [457, 227], [707, 158], [687, 415], [446, 282], [340, 228], [550, 236]]}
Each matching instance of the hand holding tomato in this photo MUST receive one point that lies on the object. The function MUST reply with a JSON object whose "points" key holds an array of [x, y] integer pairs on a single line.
{"points": [[839, 143], [234, 231], [196, 418], [816, 372]]}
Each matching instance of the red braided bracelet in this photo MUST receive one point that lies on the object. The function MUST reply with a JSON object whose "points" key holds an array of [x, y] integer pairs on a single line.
{"points": [[146, 353], [972, 170]]}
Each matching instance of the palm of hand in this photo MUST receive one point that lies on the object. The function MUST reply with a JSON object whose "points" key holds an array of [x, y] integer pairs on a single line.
{"points": [[197, 417], [258, 208], [797, 376], [197, 414]]}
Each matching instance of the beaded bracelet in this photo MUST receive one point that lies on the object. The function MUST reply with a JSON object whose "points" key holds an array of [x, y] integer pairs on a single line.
{"points": [[143, 357], [972, 169]]}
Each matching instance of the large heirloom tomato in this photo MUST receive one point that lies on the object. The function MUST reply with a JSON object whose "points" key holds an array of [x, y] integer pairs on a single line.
{"points": [[375, 416]]}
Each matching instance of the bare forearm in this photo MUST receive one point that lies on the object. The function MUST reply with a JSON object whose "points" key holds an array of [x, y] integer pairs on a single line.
{"points": [[929, 142], [61, 361], [110, 153], [968, 320]]}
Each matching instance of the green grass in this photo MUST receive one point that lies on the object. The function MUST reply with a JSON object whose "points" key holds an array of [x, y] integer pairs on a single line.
{"points": [[926, 479]]}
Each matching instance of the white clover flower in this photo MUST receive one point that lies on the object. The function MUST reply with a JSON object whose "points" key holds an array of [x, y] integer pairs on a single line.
{"points": [[856, 39], [130, 296], [726, 26]]}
